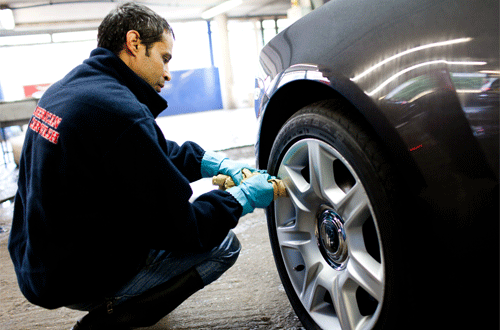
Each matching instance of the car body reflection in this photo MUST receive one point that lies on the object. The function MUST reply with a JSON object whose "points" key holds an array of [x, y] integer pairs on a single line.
{"points": [[417, 89]]}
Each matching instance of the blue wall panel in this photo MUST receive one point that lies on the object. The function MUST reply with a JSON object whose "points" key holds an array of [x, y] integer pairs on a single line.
{"points": [[192, 91]]}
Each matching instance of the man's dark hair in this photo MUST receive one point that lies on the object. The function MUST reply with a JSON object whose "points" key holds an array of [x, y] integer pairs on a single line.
{"points": [[112, 31]]}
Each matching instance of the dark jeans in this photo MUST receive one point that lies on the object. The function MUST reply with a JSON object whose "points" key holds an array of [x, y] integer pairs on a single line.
{"points": [[162, 266]]}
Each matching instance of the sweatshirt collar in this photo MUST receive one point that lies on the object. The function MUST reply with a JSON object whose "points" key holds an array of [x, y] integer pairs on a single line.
{"points": [[106, 61]]}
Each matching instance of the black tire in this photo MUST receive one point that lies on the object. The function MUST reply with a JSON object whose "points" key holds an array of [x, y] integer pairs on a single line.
{"points": [[328, 131]]}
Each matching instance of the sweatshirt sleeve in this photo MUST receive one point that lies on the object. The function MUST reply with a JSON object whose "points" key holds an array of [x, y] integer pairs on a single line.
{"points": [[148, 179], [186, 158]]}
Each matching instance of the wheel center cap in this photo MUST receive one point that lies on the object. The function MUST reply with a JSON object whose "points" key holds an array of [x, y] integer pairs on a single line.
{"points": [[331, 237]]}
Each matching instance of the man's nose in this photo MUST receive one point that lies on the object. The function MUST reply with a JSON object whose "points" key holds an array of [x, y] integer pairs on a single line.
{"points": [[166, 73]]}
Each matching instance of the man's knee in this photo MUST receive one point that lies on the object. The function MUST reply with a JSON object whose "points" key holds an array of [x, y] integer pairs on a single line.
{"points": [[220, 260]]}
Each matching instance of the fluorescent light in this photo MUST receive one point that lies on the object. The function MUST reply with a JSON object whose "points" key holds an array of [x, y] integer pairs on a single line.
{"points": [[74, 36], [25, 40], [220, 9], [7, 19]]}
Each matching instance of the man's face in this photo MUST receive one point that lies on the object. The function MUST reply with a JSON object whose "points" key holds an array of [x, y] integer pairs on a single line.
{"points": [[153, 67]]}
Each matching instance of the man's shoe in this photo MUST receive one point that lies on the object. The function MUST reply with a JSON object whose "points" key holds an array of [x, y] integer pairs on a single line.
{"points": [[77, 326], [86, 324], [146, 309]]}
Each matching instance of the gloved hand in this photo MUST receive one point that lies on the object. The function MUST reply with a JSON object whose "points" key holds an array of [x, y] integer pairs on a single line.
{"points": [[214, 163], [255, 192]]}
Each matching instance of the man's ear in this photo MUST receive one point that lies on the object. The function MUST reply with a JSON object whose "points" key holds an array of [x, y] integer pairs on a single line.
{"points": [[133, 40]]}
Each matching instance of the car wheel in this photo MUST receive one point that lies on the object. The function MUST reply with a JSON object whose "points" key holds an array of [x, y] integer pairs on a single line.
{"points": [[332, 239]]}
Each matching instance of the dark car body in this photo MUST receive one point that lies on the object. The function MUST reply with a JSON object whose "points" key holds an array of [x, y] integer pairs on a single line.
{"points": [[372, 53], [416, 71]]}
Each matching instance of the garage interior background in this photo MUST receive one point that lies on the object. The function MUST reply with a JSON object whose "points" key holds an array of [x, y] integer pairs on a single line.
{"points": [[215, 54]]}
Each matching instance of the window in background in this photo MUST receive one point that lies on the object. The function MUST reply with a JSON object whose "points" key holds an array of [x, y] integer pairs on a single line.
{"points": [[27, 65], [191, 46], [271, 27]]}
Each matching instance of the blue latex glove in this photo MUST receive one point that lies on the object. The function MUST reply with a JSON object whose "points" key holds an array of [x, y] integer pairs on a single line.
{"points": [[255, 192], [214, 163], [233, 169]]}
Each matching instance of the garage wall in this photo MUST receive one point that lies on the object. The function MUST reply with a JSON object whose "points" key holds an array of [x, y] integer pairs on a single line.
{"points": [[44, 59]]}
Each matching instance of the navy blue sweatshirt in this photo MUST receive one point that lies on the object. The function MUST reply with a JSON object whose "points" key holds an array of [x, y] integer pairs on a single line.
{"points": [[99, 186]]}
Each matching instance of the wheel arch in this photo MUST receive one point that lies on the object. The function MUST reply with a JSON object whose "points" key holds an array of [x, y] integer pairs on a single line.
{"points": [[281, 107]]}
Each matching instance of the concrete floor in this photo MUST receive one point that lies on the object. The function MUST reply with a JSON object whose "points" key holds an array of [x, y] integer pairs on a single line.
{"points": [[247, 296]]}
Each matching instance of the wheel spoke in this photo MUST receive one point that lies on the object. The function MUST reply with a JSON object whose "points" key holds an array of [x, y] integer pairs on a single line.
{"points": [[317, 292], [362, 268], [284, 212], [292, 238], [354, 206], [299, 190], [308, 296], [291, 172], [298, 246], [367, 273], [344, 301], [321, 170]]}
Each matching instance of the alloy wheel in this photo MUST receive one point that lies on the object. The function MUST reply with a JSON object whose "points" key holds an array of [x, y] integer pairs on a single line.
{"points": [[328, 237]]}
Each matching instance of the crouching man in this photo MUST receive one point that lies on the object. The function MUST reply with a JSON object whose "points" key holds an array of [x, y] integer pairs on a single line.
{"points": [[102, 220]]}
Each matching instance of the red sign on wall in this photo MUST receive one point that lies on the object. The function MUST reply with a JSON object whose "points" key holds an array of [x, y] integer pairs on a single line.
{"points": [[35, 90]]}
